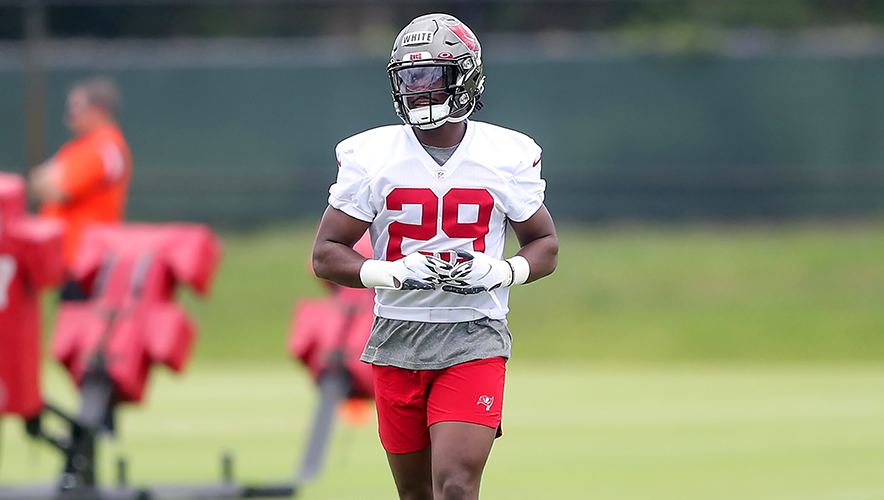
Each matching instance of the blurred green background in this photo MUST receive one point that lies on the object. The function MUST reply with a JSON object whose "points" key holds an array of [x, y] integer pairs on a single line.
{"points": [[757, 293], [714, 329]]}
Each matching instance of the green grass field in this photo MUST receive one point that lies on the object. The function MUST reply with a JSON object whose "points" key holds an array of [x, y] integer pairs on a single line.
{"points": [[728, 362], [794, 293], [574, 431]]}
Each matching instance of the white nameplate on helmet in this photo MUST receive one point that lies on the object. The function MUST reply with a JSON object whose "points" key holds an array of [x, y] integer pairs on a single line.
{"points": [[417, 38], [417, 56]]}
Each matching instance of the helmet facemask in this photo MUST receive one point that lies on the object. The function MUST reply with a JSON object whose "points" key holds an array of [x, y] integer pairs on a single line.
{"points": [[430, 93]]}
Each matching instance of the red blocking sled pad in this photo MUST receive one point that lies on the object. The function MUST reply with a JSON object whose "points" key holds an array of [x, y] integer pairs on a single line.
{"points": [[340, 323], [131, 273], [30, 261]]}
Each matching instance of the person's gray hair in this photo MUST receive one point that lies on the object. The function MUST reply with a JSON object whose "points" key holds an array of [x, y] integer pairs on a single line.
{"points": [[102, 92]]}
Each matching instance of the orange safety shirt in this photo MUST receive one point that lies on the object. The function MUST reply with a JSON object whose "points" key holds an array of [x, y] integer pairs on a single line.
{"points": [[93, 172]]}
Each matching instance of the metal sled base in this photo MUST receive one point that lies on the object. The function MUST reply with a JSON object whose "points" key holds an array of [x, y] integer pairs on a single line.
{"points": [[78, 479]]}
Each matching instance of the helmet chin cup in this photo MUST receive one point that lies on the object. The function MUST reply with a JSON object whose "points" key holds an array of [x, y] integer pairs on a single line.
{"points": [[425, 117]]}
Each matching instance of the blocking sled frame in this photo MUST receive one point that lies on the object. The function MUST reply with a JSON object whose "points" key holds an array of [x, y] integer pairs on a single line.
{"points": [[130, 323]]}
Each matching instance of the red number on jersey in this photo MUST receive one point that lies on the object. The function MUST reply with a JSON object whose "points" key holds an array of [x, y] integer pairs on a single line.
{"points": [[451, 226], [451, 203], [429, 203]]}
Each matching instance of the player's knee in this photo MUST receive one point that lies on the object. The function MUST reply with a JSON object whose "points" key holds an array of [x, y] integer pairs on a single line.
{"points": [[457, 484], [458, 490]]}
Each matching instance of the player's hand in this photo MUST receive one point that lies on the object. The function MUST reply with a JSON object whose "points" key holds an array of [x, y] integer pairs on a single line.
{"points": [[415, 271], [478, 273]]}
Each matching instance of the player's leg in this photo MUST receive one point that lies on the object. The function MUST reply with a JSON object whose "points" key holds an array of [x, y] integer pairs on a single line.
{"points": [[401, 400], [460, 450], [413, 474], [464, 410]]}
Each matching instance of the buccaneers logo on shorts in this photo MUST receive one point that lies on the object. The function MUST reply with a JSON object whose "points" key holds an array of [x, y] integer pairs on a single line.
{"points": [[487, 401]]}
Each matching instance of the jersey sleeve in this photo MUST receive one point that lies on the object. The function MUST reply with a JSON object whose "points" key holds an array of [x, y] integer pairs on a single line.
{"points": [[89, 166], [526, 187], [351, 192]]}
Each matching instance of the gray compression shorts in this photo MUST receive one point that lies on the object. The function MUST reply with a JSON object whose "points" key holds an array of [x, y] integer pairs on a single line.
{"points": [[416, 345]]}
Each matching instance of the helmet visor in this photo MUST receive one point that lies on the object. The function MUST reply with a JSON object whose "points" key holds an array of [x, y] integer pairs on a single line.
{"points": [[420, 78], [423, 78]]}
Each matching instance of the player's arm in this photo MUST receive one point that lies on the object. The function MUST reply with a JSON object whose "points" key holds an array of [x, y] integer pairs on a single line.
{"points": [[45, 182], [335, 260], [333, 256], [540, 246], [78, 173], [536, 258]]}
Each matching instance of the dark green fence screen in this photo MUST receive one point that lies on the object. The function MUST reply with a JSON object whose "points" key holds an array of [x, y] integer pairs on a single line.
{"points": [[694, 137]]}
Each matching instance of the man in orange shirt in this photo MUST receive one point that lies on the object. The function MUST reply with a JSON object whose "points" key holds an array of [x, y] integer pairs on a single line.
{"points": [[87, 180]]}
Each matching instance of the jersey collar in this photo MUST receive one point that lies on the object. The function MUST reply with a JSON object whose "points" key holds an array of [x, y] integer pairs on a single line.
{"points": [[445, 170]]}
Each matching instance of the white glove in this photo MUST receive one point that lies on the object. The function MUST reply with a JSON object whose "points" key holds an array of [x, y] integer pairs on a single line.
{"points": [[480, 273], [413, 272]]}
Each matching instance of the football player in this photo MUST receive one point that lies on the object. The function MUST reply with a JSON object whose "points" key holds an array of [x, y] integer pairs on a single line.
{"points": [[437, 195]]}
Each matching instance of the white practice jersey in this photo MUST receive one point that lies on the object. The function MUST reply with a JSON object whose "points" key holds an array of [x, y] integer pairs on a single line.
{"points": [[386, 177]]}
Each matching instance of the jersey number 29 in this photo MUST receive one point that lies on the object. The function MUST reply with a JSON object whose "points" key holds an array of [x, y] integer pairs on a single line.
{"points": [[451, 226]]}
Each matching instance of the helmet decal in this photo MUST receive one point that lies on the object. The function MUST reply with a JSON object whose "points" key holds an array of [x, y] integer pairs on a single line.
{"points": [[466, 36], [417, 38], [445, 55], [417, 56]]}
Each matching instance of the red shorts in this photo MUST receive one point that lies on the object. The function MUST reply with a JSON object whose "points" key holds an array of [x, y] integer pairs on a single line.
{"points": [[410, 401]]}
